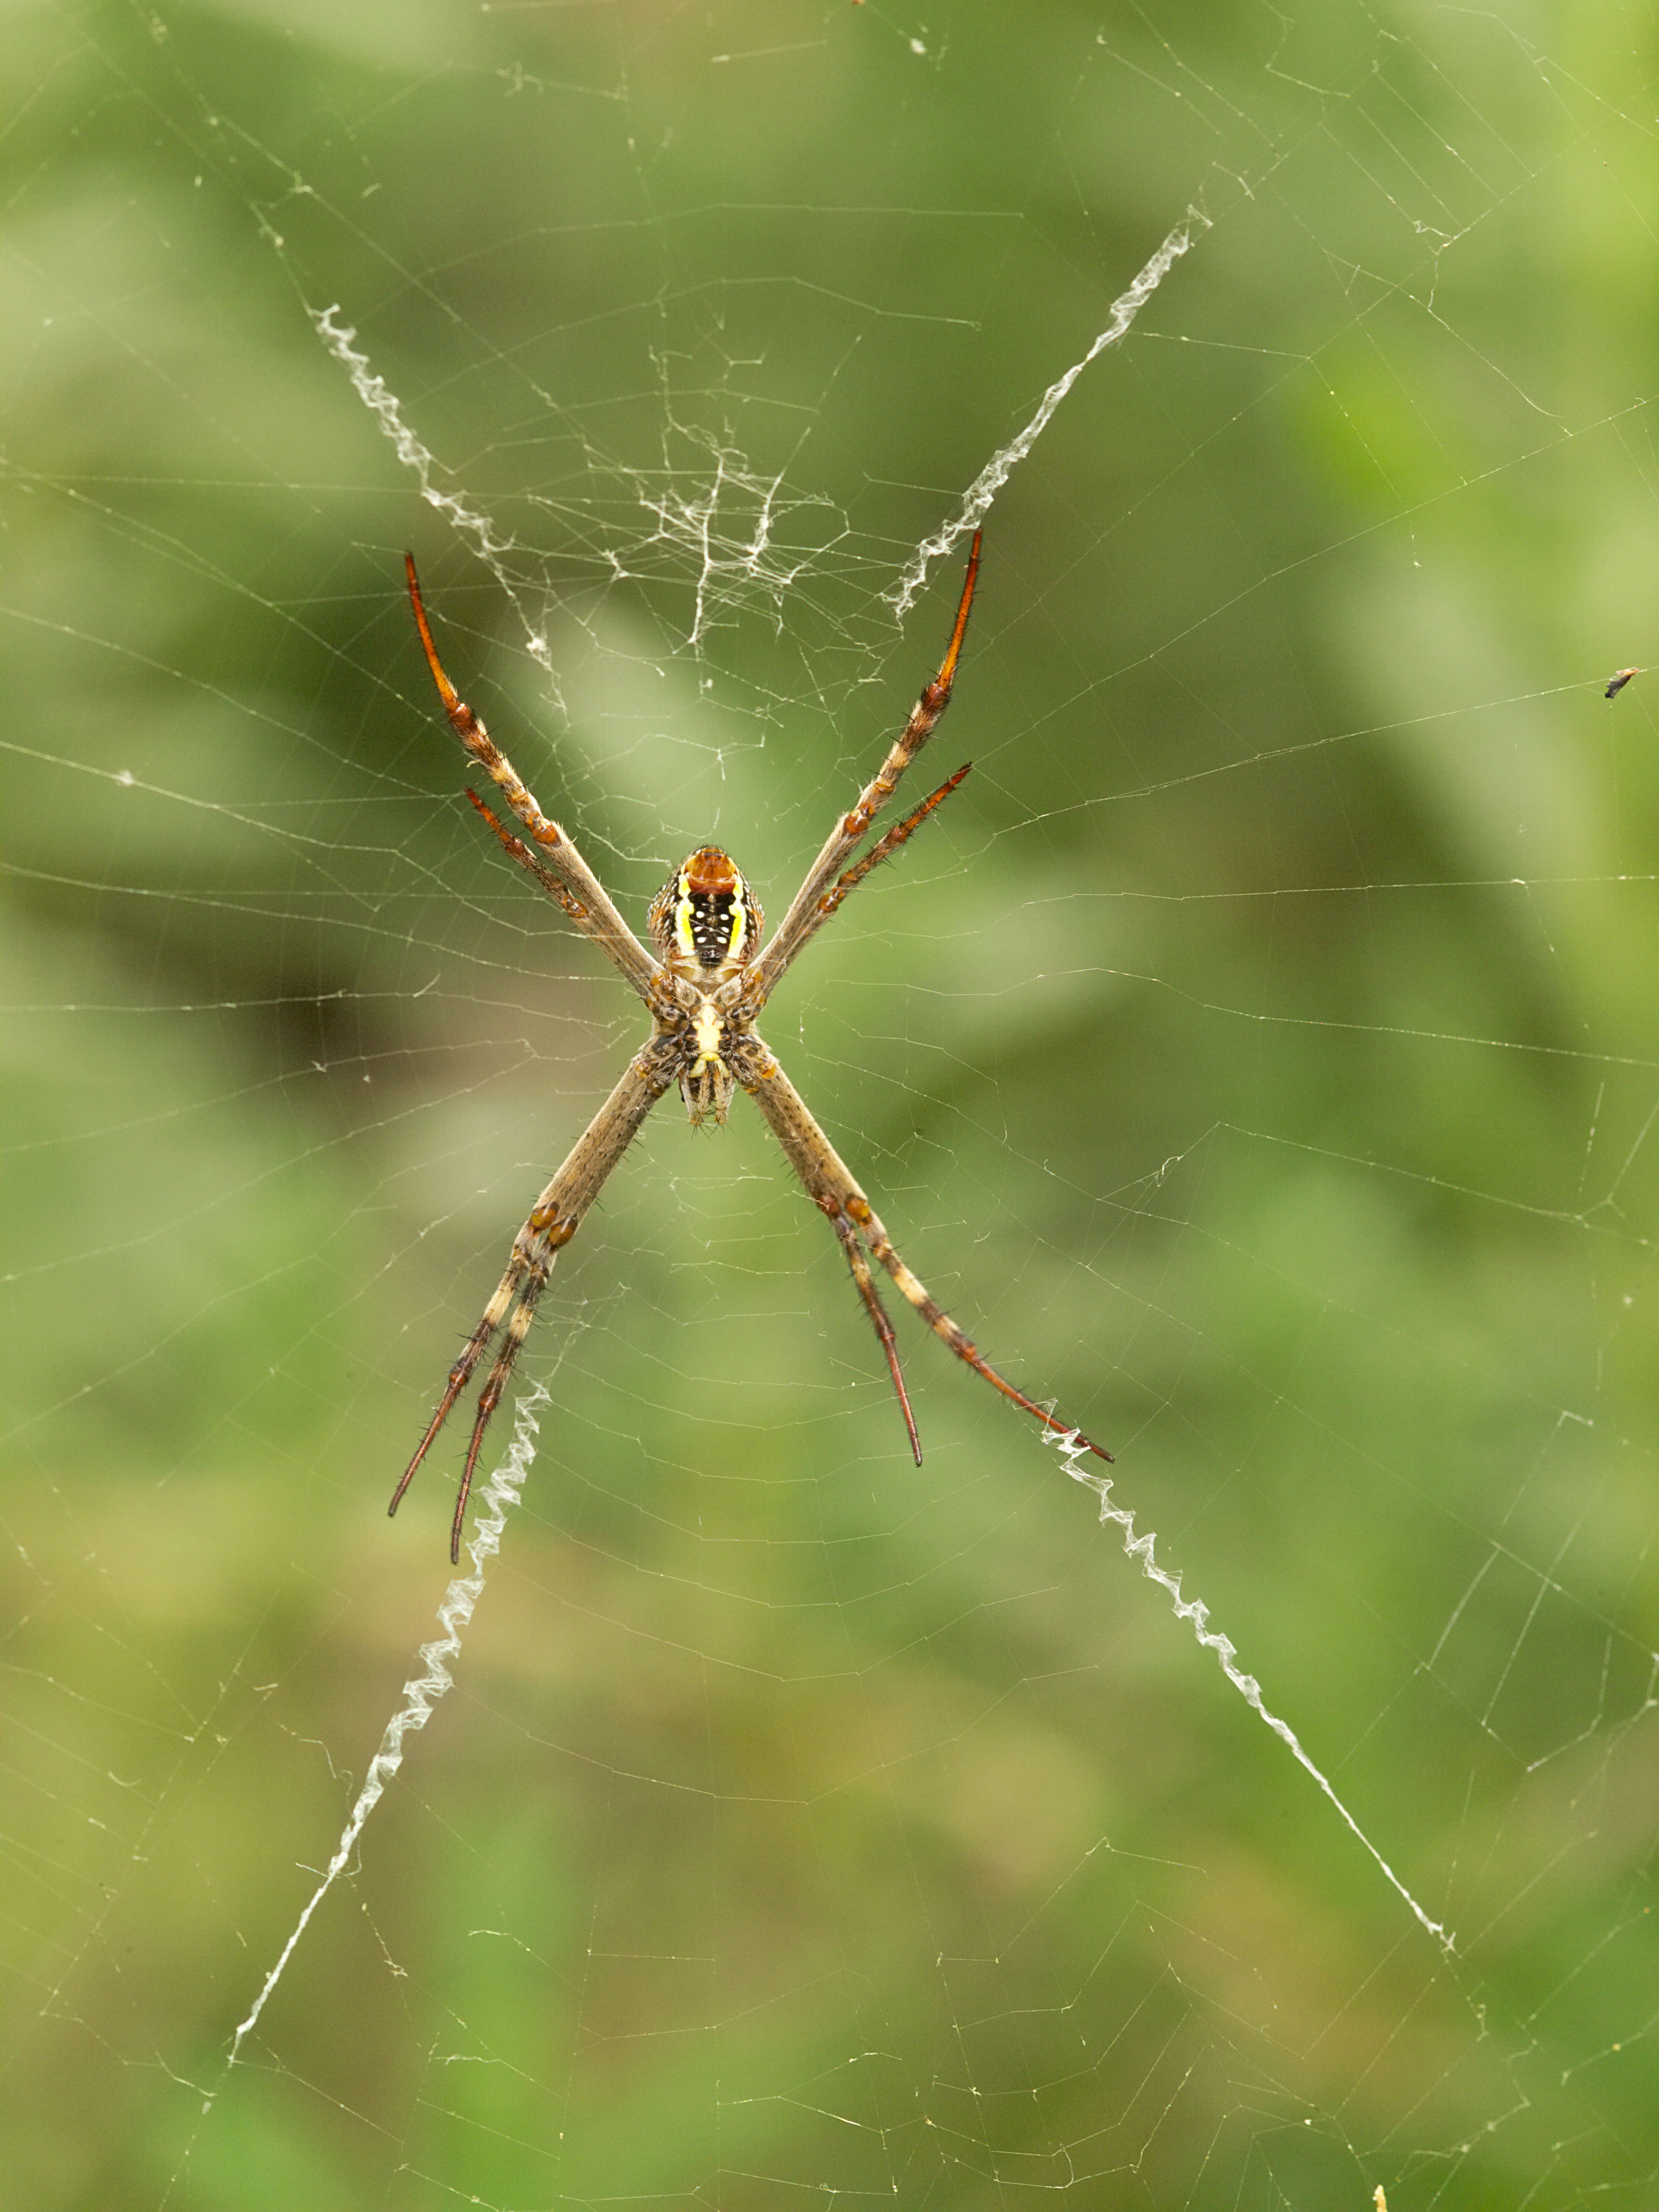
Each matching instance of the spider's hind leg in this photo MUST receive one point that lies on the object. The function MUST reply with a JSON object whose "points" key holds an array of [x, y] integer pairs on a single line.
{"points": [[942, 1325], [832, 1188], [518, 1291], [533, 1283], [553, 1221], [461, 1373], [878, 1313]]}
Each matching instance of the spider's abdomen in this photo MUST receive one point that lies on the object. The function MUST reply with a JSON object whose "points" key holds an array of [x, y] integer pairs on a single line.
{"points": [[705, 923]]}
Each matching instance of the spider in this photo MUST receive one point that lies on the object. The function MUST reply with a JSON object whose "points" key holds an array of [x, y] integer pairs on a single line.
{"points": [[704, 985]]}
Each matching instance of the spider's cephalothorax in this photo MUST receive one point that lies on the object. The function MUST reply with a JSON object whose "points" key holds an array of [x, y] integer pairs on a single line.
{"points": [[705, 990], [705, 925]]}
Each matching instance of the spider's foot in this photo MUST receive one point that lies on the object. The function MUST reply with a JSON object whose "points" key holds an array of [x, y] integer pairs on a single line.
{"points": [[1072, 1441]]}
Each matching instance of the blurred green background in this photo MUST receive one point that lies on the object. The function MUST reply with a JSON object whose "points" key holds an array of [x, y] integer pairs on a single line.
{"points": [[1261, 1055]]}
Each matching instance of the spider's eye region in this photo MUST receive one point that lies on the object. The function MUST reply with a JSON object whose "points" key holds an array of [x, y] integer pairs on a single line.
{"points": [[705, 918]]}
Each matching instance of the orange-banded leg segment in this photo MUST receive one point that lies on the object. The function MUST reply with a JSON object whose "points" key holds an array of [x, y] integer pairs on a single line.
{"points": [[533, 1283], [843, 840], [942, 1325], [553, 1222], [469, 729], [935, 698], [589, 905], [889, 842], [878, 1313], [885, 846], [518, 850], [660, 994], [525, 1278], [833, 1188]]}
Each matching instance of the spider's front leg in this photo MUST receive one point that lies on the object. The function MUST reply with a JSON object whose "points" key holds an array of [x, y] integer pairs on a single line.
{"points": [[556, 864], [553, 1221], [831, 1185], [821, 893]]}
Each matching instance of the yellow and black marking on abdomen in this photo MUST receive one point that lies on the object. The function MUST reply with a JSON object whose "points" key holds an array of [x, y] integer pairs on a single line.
{"points": [[705, 921]]}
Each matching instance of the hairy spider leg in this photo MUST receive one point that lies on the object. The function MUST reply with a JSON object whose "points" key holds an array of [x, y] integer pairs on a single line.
{"points": [[942, 1325], [589, 905], [831, 1184], [878, 1313], [661, 998], [471, 1351], [526, 860], [900, 834], [490, 1397], [553, 1222], [525, 1279], [848, 834]]}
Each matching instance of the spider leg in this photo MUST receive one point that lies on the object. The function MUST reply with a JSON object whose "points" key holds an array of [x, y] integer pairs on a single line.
{"points": [[878, 1313], [553, 1221], [831, 1184], [942, 1325], [586, 902], [518, 850], [471, 1351], [900, 834], [535, 1282], [804, 916]]}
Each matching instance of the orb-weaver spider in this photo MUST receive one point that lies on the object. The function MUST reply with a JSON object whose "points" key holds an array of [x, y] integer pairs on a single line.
{"points": [[704, 985]]}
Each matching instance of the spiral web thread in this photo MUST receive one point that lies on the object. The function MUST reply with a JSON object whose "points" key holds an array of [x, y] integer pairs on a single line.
{"points": [[501, 1493], [1196, 1614], [504, 1485], [976, 500]]}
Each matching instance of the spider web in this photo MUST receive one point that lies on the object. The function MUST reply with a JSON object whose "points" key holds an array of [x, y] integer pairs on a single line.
{"points": [[1258, 1056]]}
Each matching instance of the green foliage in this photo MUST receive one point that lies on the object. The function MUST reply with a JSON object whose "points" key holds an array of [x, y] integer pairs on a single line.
{"points": [[1259, 1054]]}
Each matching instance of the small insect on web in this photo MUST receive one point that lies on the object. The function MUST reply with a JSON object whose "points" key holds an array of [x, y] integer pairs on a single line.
{"points": [[704, 985]]}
